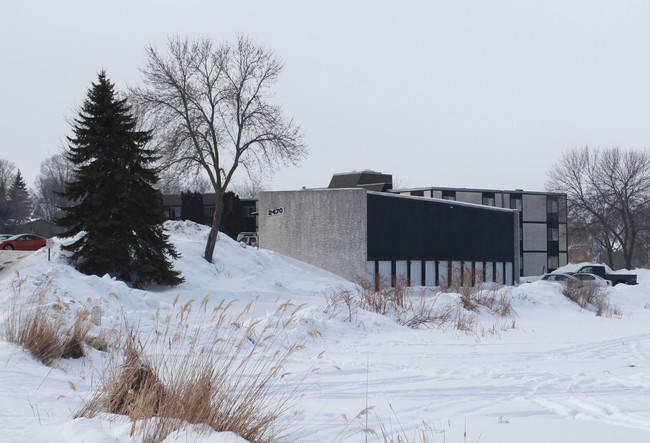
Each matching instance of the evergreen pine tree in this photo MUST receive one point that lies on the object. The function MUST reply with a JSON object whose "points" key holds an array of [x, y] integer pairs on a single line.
{"points": [[232, 220], [20, 202], [192, 207], [117, 219]]}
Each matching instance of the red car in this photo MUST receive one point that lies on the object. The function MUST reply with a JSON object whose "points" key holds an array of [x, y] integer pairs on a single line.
{"points": [[23, 242]]}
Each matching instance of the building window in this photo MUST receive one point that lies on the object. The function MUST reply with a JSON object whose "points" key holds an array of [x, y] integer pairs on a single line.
{"points": [[174, 212], [551, 205], [515, 203], [247, 211], [553, 263], [488, 199], [449, 195], [553, 234]]}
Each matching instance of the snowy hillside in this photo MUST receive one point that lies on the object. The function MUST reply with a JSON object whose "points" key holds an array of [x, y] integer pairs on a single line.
{"points": [[551, 372]]}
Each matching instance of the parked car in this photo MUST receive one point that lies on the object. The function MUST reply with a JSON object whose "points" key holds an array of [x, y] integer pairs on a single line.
{"points": [[606, 273], [248, 238], [559, 277], [5, 236], [596, 279], [23, 242]]}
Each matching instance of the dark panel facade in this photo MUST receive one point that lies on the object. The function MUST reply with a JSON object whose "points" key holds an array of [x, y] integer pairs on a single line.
{"points": [[422, 229]]}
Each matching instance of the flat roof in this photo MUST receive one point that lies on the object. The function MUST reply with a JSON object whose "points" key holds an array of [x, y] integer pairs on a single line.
{"points": [[441, 200], [496, 191]]}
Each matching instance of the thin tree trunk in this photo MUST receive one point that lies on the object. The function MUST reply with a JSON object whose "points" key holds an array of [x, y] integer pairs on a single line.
{"points": [[214, 230], [610, 256]]}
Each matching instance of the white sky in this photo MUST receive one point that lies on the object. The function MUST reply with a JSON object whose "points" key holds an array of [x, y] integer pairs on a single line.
{"points": [[455, 93]]}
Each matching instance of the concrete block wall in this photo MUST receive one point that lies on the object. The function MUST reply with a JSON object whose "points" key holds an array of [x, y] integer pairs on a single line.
{"points": [[325, 228]]}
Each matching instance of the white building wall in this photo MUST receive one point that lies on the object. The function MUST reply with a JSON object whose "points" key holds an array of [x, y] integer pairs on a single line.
{"points": [[506, 201], [385, 269], [416, 273], [430, 273], [509, 279], [535, 263], [456, 272], [489, 272], [337, 236], [535, 237], [469, 197], [402, 270], [479, 273], [534, 208], [370, 271], [443, 273]]}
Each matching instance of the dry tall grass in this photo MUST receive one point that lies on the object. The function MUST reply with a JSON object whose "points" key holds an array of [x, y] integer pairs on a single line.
{"points": [[590, 296], [223, 372], [41, 329], [389, 297], [411, 307], [475, 293]]}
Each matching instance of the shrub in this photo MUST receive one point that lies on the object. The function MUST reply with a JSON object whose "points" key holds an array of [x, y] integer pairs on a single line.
{"points": [[475, 293], [589, 296], [394, 300], [413, 308], [42, 329]]}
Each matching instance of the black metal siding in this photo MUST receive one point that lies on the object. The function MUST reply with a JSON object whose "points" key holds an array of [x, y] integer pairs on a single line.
{"points": [[414, 229]]}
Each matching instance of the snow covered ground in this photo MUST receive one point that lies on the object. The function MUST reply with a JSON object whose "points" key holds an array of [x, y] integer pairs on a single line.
{"points": [[553, 372]]}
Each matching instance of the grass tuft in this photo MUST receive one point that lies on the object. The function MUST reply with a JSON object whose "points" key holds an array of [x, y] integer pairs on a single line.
{"points": [[42, 329]]}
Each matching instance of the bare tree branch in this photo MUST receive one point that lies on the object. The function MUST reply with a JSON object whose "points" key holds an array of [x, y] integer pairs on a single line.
{"points": [[608, 193], [209, 107]]}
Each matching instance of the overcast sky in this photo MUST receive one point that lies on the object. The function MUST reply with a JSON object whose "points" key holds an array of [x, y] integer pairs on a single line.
{"points": [[477, 94]]}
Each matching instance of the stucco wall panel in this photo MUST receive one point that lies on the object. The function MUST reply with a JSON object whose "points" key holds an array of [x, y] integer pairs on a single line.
{"points": [[534, 207], [469, 197], [336, 221], [535, 263], [535, 237]]}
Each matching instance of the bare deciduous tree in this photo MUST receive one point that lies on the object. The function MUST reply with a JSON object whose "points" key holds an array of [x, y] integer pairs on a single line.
{"points": [[7, 174], [608, 192], [249, 189], [56, 171], [210, 109], [173, 181]]}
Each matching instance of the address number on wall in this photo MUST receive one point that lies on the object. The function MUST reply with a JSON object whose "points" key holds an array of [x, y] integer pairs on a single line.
{"points": [[276, 211]]}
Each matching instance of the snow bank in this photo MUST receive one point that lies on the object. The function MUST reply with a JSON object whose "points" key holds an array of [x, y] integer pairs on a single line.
{"points": [[553, 372]]}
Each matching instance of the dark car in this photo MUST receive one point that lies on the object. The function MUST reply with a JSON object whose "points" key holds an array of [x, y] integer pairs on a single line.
{"points": [[23, 242], [606, 273]]}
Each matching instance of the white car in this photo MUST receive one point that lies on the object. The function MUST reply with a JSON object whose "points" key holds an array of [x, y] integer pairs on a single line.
{"points": [[562, 278], [248, 238], [597, 279]]}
